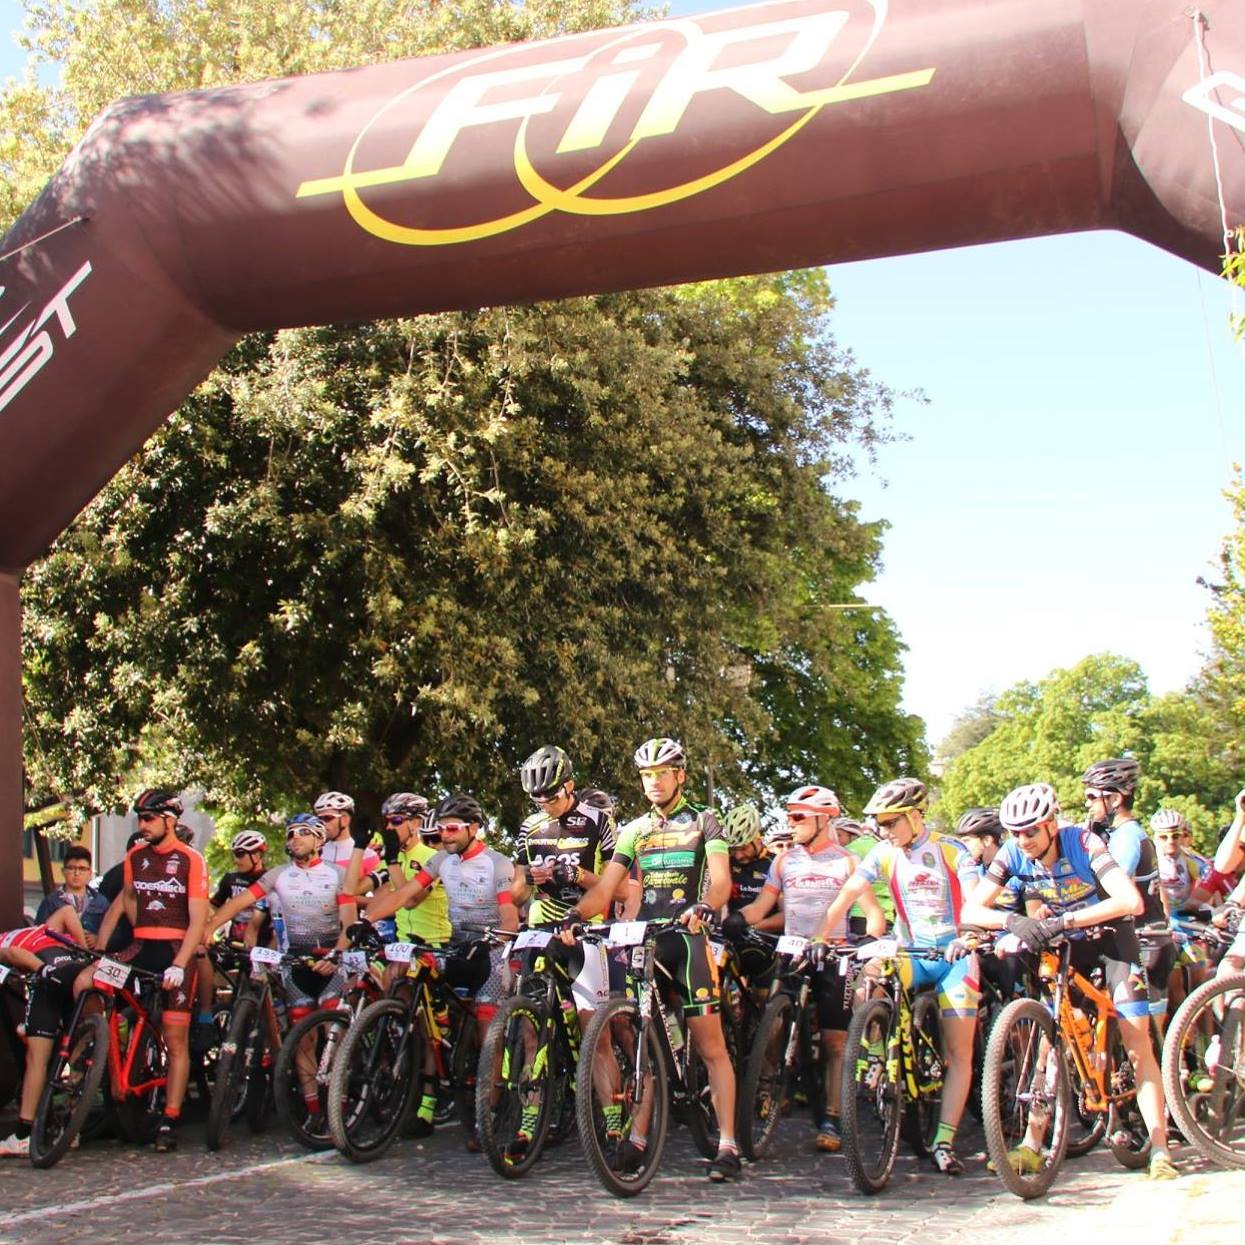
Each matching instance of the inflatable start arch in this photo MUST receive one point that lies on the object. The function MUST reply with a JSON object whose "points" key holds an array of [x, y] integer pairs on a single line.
{"points": [[781, 135]]}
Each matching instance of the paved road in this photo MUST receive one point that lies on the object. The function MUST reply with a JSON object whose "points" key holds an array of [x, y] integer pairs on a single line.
{"points": [[266, 1189]]}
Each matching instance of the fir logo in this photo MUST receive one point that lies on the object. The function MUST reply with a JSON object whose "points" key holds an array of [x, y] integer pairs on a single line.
{"points": [[574, 127]]}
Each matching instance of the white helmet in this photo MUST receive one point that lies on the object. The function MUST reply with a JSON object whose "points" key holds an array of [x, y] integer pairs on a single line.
{"points": [[333, 802], [248, 841], [1026, 806], [662, 751], [820, 801], [1168, 819]]}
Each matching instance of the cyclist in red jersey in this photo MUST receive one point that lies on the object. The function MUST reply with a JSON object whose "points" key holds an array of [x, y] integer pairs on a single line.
{"points": [[165, 898]]}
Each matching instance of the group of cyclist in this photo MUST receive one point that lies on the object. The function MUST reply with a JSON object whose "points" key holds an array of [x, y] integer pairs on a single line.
{"points": [[431, 878]]}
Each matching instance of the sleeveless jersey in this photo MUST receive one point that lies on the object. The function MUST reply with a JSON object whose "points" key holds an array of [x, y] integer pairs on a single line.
{"points": [[928, 881], [808, 883], [672, 854], [230, 886], [584, 836], [476, 884], [165, 878], [309, 899], [428, 920]]}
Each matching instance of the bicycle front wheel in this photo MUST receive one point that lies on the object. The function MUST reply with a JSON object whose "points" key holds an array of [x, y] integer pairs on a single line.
{"points": [[920, 1123], [515, 1086], [618, 1093], [374, 1078], [1204, 1070], [1025, 1099], [773, 1063], [872, 1096], [301, 1075], [70, 1092], [233, 1060]]}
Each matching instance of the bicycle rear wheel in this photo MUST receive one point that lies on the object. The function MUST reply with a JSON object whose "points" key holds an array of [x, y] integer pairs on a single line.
{"points": [[773, 1064], [232, 1082], [140, 1110], [515, 1086], [70, 1092], [302, 1073], [702, 1116], [1204, 1078], [1025, 1094], [612, 1097], [374, 1078], [872, 1096]]}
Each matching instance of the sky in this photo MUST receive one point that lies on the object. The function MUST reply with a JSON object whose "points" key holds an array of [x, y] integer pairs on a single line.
{"points": [[1060, 492]]}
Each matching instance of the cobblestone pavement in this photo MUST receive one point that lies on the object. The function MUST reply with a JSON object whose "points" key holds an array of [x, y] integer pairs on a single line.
{"points": [[266, 1189]]}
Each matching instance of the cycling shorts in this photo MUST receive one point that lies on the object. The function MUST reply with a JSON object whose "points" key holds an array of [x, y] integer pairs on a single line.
{"points": [[688, 968], [832, 992], [1120, 957], [1159, 958], [480, 971], [305, 990], [49, 996], [958, 984], [154, 955]]}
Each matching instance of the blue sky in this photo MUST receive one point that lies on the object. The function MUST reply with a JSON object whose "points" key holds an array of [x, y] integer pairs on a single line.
{"points": [[1061, 492]]}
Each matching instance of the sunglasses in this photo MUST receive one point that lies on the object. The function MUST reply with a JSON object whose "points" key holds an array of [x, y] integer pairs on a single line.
{"points": [[894, 821], [451, 827], [660, 772], [547, 797], [1091, 796], [145, 817], [242, 852], [798, 817], [1029, 832], [396, 820]]}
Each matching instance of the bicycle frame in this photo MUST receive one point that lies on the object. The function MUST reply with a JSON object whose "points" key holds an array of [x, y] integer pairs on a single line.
{"points": [[901, 1046]]}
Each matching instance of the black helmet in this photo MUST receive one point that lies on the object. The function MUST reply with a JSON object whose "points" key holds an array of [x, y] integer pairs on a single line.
{"points": [[461, 807], [1118, 774], [980, 821], [158, 800], [594, 797], [545, 770]]}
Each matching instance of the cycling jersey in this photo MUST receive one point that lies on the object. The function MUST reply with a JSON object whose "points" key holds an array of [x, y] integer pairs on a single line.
{"points": [[50, 993], [1072, 882], [32, 938], [927, 882], [860, 847], [230, 886], [1129, 844], [429, 920], [309, 899], [584, 837], [338, 851], [165, 876], [1010, 898], [672, 852], [747, 880], [476, 884], [808, 882], [1180, 875]]}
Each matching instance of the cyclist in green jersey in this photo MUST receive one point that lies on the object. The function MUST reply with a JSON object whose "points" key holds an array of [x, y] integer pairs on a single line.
{"points": [[685, 875]]}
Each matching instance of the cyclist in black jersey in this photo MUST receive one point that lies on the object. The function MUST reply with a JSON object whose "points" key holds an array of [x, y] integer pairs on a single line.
{"points": [[685, 874], [750, 865]]}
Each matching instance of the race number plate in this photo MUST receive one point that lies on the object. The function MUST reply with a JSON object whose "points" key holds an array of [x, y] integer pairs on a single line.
{"points": [[627, 933], [110, 973], [399, 952], [717, 950], [531, 938], [882, 949], [790, 944], [354, 961]]}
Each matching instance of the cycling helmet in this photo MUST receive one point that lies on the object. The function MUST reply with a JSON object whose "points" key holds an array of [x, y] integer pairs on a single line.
{"points": [[545, 770], [1026, 806], [1118, 774], [594, 797], [248, 841], [158, 800], [900, 795], [653, 753], [741, 825], [848, 826], [460, 807], [820, 801], [333, 802], [306, 823], [185, 834], [404, 804], [983, 822], [1168, 819]]}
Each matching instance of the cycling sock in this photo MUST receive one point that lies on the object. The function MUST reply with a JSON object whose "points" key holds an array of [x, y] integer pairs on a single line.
{"points": [[312, 1103], [945, 1134], [612, 1114], [172, 1115], [427, 1108], [205, 1018], [21, 1129], [640, 1143], [727, 1145]]}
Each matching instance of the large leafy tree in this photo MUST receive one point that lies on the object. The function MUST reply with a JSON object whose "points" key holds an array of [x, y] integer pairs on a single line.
{"points": [[405, 553]]}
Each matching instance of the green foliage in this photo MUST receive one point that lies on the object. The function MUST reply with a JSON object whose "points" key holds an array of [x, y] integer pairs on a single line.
{"points": [[969, 728], [1101, 707]]}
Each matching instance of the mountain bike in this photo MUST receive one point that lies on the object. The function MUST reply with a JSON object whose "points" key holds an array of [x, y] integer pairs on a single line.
{"points": [[892, 1067], [115, 1030]]}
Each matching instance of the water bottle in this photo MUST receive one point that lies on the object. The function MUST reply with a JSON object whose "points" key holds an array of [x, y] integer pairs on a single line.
{"points": [[278, 929]]}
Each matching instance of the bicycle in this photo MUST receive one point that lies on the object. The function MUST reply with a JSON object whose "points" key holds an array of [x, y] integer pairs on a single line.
{"points": [[12, 1048], [785, 1056], [114, 1029], [1204, 1065], [1038, 1053], [526, 1078], [304, 1064], [637, 1047], [892, 1068], [381, 1059]]}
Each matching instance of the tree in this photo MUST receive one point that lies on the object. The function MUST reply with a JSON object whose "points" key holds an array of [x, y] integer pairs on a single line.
{"points": [[969, 728]]}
